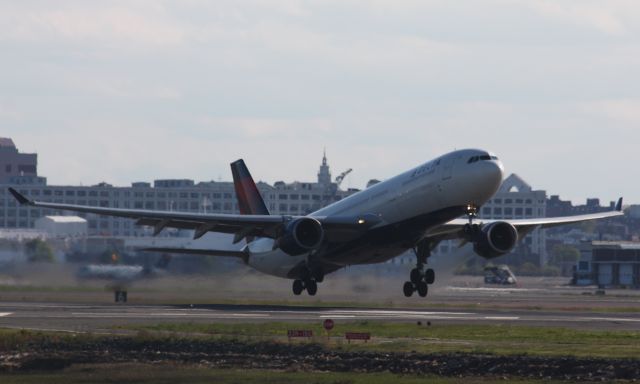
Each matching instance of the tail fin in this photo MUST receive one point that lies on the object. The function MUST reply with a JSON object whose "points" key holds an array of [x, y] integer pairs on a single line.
{"points": [[249, 200]]}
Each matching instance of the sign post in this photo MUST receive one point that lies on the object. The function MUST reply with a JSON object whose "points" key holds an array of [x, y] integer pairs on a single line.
{"points": [[328, 326], [357, 336]]}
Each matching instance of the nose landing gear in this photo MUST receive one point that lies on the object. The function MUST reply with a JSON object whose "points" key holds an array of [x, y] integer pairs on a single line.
{"points": [[471, 230]]}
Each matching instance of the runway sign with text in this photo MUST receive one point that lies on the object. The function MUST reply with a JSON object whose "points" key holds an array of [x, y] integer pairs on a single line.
{"points": [[303, 333]]}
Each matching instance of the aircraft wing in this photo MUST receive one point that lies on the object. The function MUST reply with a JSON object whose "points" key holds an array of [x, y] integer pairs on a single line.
{"points": [[240, 225], [454, 228]]}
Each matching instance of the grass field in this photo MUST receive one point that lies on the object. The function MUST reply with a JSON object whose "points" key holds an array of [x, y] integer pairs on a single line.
{"points": [[494, 339], [142, 373]]}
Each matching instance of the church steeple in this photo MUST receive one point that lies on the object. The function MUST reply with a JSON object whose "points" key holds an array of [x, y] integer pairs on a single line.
{"points": [[324, 176]]}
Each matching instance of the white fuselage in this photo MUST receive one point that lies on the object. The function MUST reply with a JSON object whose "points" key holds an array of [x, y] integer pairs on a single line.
{"points": [[451, 180]]}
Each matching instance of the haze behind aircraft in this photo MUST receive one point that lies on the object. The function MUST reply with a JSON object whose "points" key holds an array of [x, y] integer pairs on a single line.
{"points": [[124, 273], [414, 210], [119, 277]]}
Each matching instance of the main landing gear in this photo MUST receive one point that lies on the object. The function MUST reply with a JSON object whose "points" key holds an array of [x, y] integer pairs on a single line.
{"points": [[420, 279], [120, 296], [309, 282]]}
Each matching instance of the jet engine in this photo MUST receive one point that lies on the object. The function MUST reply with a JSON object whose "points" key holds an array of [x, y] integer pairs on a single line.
{"points": [[300, 236], [495, 239]]}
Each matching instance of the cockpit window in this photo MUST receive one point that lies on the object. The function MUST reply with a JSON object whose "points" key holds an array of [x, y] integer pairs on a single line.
{"points": [[473, 159]]}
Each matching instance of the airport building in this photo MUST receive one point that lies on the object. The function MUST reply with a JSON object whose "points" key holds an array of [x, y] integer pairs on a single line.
{"points": [[16, 167], [557, 207], [634, 212], [297, 198], [609, 264], [62, 226]]}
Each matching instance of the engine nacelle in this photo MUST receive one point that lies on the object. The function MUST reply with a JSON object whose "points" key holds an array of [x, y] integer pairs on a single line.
{"points": [[301, 235], [495, 240]]}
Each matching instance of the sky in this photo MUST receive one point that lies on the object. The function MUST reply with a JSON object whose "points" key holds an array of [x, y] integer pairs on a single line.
{"points": [[122, 91]]}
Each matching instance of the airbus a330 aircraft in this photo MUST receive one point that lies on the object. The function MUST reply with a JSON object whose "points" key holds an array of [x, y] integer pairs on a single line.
{"points": [[414, 210]]}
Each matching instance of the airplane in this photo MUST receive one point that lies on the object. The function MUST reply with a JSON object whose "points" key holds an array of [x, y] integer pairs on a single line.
{"points": [[414, 210], [119, 277], [124, 273]]}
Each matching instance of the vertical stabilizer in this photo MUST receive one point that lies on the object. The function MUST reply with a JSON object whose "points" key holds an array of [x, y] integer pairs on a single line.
{"points": [[249, 200]]}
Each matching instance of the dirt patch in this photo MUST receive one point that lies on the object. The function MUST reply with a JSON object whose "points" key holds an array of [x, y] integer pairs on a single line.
{"points": [[56, 355]]}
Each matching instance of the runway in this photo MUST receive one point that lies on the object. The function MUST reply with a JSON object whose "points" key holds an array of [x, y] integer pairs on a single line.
{"points": [[102, 318]]}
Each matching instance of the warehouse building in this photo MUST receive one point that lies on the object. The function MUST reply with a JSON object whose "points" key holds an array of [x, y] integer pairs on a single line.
{"points": [[62, 226], [609, 264]]}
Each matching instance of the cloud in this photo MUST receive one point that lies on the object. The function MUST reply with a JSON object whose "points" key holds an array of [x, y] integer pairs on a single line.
{"points": [[95, 150], [9, 113], [121, 91], [266, 128], [80, 22], [624, 111], [605, 17]]}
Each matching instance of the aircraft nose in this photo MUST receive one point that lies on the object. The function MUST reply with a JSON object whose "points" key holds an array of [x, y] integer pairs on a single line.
{"points": [[495, 172], [490, 178]]}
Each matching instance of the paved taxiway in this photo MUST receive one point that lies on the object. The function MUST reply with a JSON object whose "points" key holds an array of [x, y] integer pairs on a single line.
{"points": [[101, 318]]}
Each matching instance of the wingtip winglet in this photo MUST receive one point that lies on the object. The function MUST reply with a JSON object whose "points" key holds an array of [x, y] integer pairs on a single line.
{"points": [[619, 205], [21, 199]]}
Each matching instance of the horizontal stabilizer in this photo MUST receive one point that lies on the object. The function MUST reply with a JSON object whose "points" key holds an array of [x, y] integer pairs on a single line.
{"points": [[202, 252], [21, 199]]}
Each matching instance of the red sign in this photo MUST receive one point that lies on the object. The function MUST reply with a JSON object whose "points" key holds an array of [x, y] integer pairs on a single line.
{"points": [[299, 333], [357, 336], [328, 324]]}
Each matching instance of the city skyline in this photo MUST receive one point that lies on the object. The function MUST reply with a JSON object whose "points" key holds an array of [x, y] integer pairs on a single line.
{"points": [[121, 92], [324, 176]]}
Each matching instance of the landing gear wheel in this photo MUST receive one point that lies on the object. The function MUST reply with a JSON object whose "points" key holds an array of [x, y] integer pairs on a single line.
{"points": [[312, 287], [415, 276], [408, 289], [422, 289], [430, 276], [298, 287]]}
